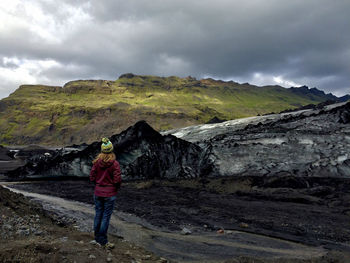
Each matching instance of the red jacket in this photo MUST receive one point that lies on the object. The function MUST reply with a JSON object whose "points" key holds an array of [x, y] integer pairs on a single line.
{"points": [[107, 178]]}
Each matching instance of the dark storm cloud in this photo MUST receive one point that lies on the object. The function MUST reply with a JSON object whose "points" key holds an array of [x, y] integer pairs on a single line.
{"points": [[303, 42]]}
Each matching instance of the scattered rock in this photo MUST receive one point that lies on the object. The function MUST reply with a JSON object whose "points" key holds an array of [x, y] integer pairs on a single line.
{"points": [[186, 231], [7, 227], [23, 227], [63, 239], [147, 257], [38, 233]]}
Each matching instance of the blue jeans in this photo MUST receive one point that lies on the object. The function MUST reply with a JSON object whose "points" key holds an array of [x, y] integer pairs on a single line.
{"points": [[103, 208]]}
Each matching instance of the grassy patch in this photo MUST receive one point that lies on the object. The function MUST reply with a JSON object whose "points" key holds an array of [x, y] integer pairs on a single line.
{"points": [[165, 102]]}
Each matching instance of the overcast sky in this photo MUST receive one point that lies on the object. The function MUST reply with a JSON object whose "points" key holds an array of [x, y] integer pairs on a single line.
{"points": [[285, 42]]}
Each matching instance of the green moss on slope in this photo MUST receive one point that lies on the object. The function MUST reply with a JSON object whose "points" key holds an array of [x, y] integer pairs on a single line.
{"points": [[84, 110]]}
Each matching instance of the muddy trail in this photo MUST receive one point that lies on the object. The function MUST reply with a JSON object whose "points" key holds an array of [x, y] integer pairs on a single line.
{"points": [[214, 220]]}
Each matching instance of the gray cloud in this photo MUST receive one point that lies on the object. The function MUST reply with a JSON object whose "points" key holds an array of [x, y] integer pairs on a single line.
{"points": [[304, 42]]}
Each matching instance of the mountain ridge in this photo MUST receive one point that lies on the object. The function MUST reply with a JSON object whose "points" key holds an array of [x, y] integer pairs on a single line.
{"points": [[84, 110]]}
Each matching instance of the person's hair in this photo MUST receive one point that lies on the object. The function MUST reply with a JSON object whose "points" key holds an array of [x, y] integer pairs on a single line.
{"points": [[105, 157]]}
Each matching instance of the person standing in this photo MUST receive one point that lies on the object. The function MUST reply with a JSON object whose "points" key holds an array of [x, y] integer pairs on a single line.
{"points": [[106, 175]]}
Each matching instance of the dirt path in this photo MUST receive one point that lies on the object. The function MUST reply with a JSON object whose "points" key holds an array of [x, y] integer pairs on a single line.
{"points": [[203, 247], [28, 234]]}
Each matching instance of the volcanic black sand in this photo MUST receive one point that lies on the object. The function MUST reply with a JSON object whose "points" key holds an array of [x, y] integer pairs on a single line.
{"points": [[313, 211]]}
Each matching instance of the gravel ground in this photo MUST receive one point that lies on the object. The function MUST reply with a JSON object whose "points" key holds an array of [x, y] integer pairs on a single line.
{"points": [[29, 234], [312, 211]]}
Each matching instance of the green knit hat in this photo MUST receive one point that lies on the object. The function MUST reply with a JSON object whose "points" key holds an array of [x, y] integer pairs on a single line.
{"points": [[106, 146]]}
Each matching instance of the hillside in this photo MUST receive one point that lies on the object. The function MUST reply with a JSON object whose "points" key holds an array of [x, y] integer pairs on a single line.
{"points": [[85, 110]]}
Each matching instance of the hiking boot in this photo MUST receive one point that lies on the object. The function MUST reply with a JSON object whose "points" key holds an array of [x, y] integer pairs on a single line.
{"points": [[109, 245]]}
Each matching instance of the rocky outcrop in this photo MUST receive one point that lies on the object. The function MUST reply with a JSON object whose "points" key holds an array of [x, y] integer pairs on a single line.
{"points": [[142, 152], [345, 98], [127, 76], [309, 107], [87, 86], [305, 90], [215, 120]]}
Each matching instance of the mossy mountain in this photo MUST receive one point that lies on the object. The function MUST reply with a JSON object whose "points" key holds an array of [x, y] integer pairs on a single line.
{"points": [[85, 110]]}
